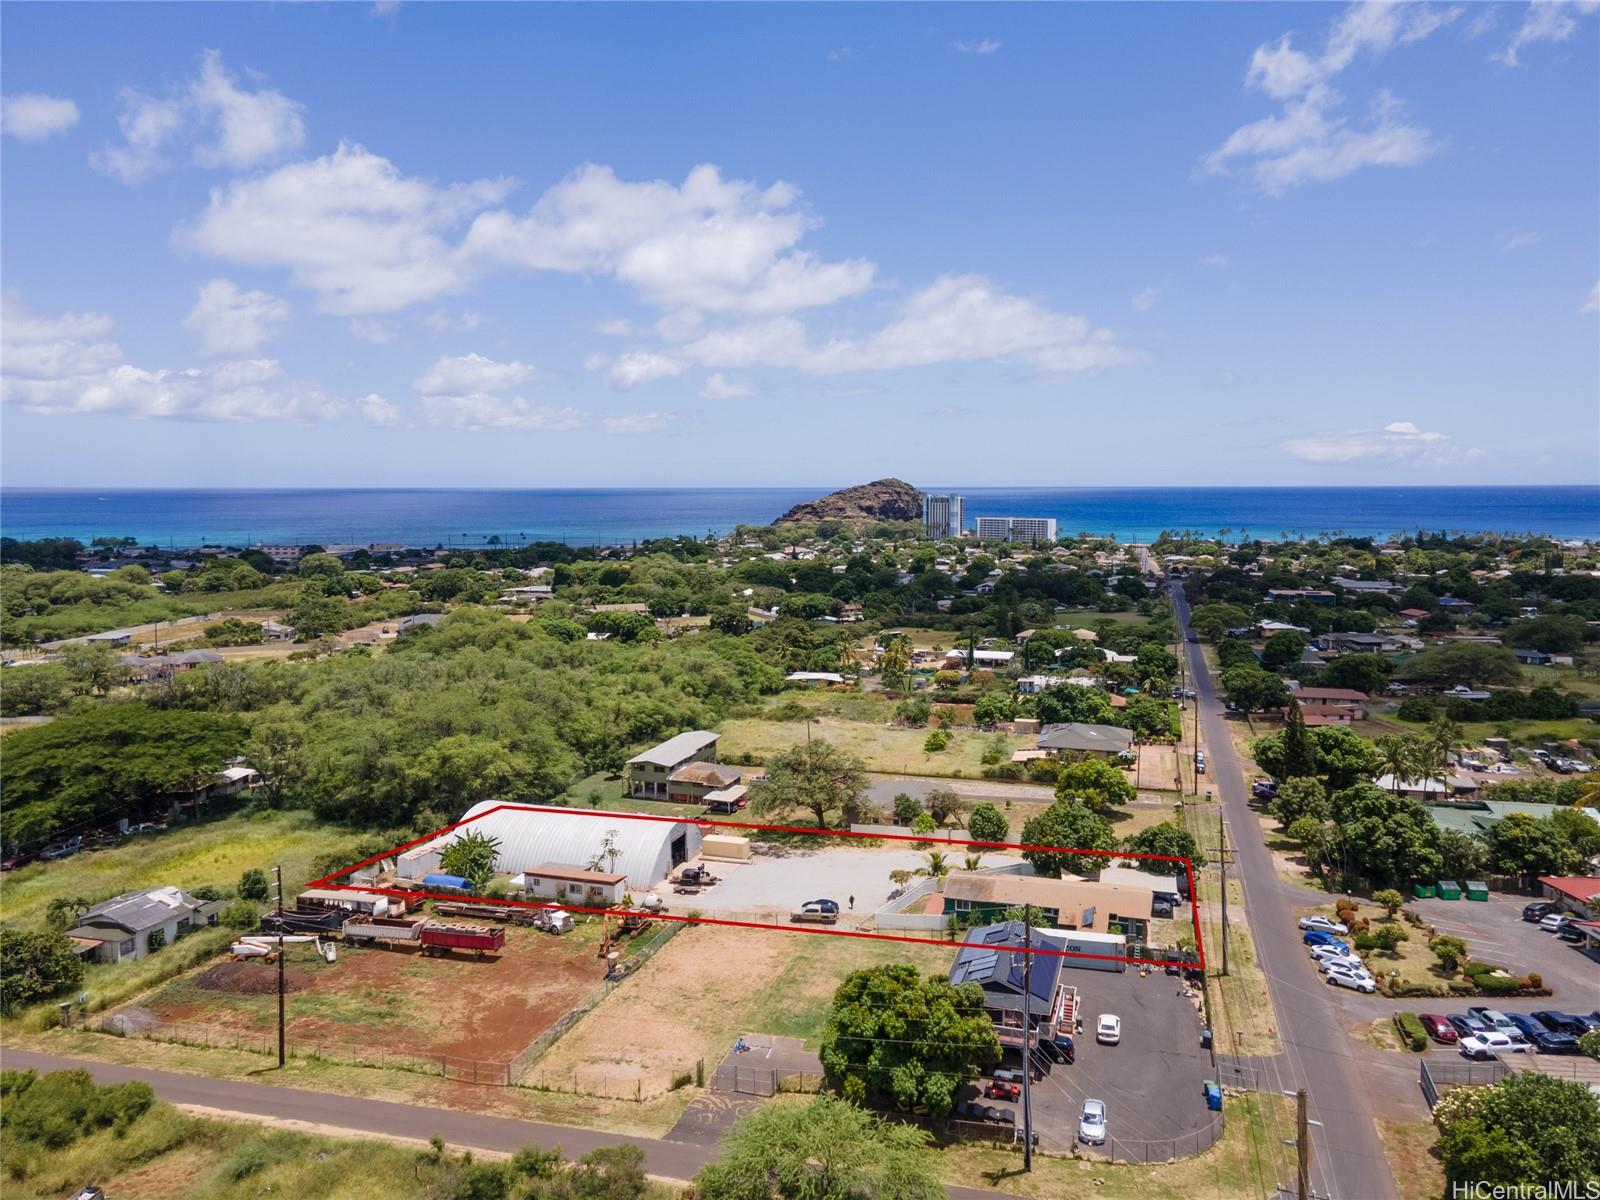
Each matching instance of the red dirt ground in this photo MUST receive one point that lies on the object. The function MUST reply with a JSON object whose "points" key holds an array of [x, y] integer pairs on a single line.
{"points": [[402, 1002]]}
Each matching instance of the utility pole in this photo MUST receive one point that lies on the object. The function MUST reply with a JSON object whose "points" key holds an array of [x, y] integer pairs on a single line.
{"points": [[1221, 851], [1302, 1142], [278, 872], [1027, 1049], [1302, 1145]]}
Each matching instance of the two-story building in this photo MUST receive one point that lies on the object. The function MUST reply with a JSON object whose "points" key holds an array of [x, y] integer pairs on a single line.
{"points": [[650, 773], [1015, 991]]}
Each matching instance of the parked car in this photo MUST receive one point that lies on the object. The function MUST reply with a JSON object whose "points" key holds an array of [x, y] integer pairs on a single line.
{"points": [[1092, 1123], [820, 906], [1007, 1075], [1321, 937], [1200, 762], [90, 1193], [1466, 1025], [57, 850], [991, 1113], [1537, 912], [1572, 932], [1560, 1022], [1439, 1029], [1555, 922], [12, 861], [1360, 983], [1326, 924], [997, 1090], [1054, 1052], [1264, 789], [1489, 1043], [1350, 966], [1108, 1030], [1544, 1040], [1494, 1019], [1193, 637]]}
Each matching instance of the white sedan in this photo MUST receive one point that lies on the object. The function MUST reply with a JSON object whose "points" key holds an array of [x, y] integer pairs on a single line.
{"points": [[1349, 966], [1326, 924], [1360, 983], [1108, 1030], [1092, 1124]]}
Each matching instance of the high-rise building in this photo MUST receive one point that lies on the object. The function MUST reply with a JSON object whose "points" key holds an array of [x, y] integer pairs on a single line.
{"points": [[942, 516], [1016, 529]]}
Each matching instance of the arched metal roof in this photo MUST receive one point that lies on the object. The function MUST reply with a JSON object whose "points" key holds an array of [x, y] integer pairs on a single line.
{"points": [[575, 836]]}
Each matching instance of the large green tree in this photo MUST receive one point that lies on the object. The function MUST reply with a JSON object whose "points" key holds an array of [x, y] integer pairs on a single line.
{"points": [[1167, 838], [1525, 1131], [1096, 783], [826, 1150], [1253, 689], [987, 824], [35, 967], [910, 1038], [1384, 837], [815, 777], [1069, 825], [1463, 662], [102, 760]]}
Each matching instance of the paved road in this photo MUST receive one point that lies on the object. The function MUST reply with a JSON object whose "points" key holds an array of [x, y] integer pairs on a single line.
{"points": [[461, 1130], [1349, 1163]]}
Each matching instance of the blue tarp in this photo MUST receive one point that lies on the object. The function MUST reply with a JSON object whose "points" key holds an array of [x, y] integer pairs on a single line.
{"points": [[450, 881]]}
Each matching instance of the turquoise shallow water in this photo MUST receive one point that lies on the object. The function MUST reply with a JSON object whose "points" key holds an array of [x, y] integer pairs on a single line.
{"points": [[611, 516]]}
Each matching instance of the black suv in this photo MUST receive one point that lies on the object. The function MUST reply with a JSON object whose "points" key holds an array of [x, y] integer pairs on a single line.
{"points": [[1537, 912]]}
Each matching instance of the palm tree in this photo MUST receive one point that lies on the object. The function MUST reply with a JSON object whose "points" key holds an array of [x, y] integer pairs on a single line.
{"points": [[1397, 758], [938, 865], [1444, 735], [848, 657], [973, 861]]}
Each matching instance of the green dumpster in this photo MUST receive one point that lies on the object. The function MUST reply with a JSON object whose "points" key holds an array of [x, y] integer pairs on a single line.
{"points": [[1423, 891], [1477, 890], [1449, 889]]}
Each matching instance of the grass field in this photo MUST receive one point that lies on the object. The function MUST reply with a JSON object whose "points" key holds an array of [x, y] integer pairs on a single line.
{"points": [[1244, 1164], [171, 1155], [708, 986], [212, 852], [885, 750], [1410, 1148], [1241, 1008]]}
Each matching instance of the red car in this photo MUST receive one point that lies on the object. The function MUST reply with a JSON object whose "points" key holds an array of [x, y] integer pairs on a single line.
{"points": [[1002, 1091], [1439, 1029]]}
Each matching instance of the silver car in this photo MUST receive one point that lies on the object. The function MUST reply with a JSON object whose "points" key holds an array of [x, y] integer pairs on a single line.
{"points": [[1092, 1124]]}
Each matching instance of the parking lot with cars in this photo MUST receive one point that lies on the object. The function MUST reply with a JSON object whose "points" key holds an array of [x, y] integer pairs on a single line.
{"points": [[1495, 932], [1149, 1079]]}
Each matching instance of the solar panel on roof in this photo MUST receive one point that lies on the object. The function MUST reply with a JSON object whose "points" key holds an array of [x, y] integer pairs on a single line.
{"points": [[983, 964]]}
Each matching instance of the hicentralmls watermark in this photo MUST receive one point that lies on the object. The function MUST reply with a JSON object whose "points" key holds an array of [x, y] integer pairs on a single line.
{"points": [[1555, 1189]]}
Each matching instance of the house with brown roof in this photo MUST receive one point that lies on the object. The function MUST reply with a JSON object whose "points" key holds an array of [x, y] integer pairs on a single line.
{"points": [[577, 886], [1067, 903], [1342, 705]]}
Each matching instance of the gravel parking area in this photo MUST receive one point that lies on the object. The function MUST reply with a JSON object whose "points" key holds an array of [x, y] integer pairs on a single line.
{"points": [[786, 881]]}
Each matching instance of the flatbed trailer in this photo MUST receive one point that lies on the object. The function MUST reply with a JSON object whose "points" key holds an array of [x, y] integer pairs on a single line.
{"points": [[503, 913], [439, 938]]}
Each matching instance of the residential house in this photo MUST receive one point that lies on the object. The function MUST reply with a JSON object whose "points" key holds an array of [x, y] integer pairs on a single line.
{"points": [[1342, 704], [987, 660], [276, 631], [1301, 596], [1081, 737], [1578, 894], [120, 928]]}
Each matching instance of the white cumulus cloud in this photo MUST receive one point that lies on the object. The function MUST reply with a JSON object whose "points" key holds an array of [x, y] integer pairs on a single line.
{"points": [[1310, 139], [718, 387], [471, 373], [32, 117], [1545, 21], [1395, 442], [977, 45], [231, 321], [1146, 300], [221, 123], [375, 410], [483, 413], [638, 366]]}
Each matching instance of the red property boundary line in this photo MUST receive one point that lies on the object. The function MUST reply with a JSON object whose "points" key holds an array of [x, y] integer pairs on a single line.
{"points": [[328, 881]]}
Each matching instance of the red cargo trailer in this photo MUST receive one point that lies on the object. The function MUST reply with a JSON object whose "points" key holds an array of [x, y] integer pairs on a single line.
{"points": [[438, 938]]}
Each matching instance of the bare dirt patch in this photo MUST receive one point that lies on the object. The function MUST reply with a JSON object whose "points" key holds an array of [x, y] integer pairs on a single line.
{"points": [[250, 978]]}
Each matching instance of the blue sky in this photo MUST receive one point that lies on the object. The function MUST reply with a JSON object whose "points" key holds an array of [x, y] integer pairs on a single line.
{"points": [[507, 245]]}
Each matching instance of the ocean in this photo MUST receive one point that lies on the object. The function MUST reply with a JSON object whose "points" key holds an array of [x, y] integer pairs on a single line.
{"points": [[618, 516]]}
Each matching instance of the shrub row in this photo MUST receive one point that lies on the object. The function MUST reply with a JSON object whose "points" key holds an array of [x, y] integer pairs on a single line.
{"points": [[1411, 1030]]}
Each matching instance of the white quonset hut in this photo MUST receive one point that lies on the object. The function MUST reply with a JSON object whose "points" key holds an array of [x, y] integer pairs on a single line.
{"points": [[647, 851]]}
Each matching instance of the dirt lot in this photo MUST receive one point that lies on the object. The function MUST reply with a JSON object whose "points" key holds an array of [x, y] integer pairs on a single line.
{"points": [[486, 1009], [705, 988], [1158, 768]]}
